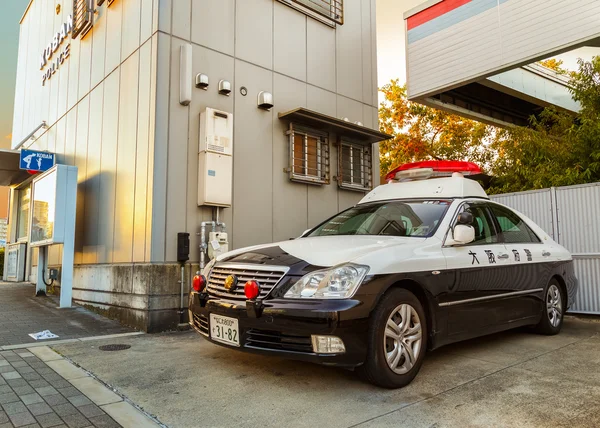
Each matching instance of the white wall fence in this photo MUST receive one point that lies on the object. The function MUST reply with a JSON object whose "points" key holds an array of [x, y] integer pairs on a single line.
{"points": [[571, 216]]}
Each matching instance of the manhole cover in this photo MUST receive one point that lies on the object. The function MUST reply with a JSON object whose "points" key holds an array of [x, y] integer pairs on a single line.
{"points": [[114, 347]]}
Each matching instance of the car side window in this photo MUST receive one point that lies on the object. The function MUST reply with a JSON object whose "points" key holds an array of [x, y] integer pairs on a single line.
{"points": [[485, 232], [514, 229]]}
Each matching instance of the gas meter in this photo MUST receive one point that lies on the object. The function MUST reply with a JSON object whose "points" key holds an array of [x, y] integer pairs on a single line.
{"points": [[217, 244]]}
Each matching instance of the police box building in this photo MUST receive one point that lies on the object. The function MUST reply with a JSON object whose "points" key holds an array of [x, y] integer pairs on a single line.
{"points": [[193, 127]]}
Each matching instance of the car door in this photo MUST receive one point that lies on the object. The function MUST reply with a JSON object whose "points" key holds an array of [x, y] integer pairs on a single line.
{"points": [[530, 263], [480, 271]]}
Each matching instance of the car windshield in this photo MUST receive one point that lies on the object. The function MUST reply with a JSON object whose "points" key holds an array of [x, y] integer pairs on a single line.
{"points": [[391, 218]]}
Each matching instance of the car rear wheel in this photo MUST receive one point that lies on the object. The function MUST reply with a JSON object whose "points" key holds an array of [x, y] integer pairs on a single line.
{"points": [[552, 317], [397, 340]]}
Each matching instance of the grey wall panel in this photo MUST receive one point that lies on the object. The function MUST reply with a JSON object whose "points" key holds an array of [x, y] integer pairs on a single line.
{"points": [[252, 159], [587, 271], [176, 159], [322, 101], [320, 43], [349, 41], [91, 186], [99, 46], [215, 65], [164, 15], [126, 157], [81, 141], [108, 167], [214, 22], [347, 199], [578, 208], [85, 66], [349, 108], [151, 145], [290, 200], [182, 16], [70, 137], [146, 20], [141, 161], [59, 141], [254, 32], [20, 82], [161, 137], [155, 13], [72, 91], [289, 41], [366, 51], [113, 37], [131, 24], [374, 83]]}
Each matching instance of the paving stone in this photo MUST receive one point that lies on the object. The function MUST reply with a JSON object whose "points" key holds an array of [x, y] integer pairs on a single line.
{"points": [[79, 400], [65, 409], [22, 419], [11, 375], [39, 383], [52, 377], [25, 354], [70, 391], [4, 417], [104, 421], [45, 370], [56, 399], [14, 408], [47, 390], [76, 421], [6, 425], [23, 390], [31, 376], [39, 409], [32, 426], [6, 369], [5, 389], [4, 363], [91, 410], [31, 399], [15, 383], [19, 364], [49, 420], [60, 384], [10, 397]]}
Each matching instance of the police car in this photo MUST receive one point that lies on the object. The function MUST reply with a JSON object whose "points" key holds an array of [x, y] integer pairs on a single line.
{"points": [[418, 263]]}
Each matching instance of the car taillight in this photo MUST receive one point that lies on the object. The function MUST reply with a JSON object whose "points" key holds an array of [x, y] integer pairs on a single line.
{"points": [[199, 283], [251, 290]]}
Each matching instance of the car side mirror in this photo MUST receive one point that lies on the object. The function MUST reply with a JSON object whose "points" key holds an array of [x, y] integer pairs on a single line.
{"points": [[465, 218], [461, 235]]}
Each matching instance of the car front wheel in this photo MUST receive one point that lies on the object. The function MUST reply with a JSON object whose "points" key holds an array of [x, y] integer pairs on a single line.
{"points": [[397, 340]]}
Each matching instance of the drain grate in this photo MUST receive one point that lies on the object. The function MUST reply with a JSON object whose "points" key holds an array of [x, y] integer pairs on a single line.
{"points": [[114, 347]]}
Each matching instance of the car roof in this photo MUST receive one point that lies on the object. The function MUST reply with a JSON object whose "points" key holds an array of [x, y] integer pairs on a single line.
{"points": [[436, 188]]}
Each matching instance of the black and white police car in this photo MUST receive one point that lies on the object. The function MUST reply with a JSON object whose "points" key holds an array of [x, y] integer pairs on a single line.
{"points": [[418, 263]]}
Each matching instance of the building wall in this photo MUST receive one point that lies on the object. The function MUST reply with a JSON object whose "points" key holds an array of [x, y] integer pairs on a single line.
{"points": [[113, 111], [263, 45], [449, 45]]}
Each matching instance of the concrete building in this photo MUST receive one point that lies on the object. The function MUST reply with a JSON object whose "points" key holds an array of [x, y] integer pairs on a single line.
{"points": [[477, 57], [121, 90]]}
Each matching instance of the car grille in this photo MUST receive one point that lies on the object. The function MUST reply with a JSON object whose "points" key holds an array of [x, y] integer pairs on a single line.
{"points": [[267, 277], [201, 324], [278, 341]]}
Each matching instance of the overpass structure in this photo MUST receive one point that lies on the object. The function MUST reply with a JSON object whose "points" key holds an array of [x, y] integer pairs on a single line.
{"points": [[477, 58]]}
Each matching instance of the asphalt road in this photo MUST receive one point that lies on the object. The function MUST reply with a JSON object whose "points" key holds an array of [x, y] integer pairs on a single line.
{"points": [[509, 379]]}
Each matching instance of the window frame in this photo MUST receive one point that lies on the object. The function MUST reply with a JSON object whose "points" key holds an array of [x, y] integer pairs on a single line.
{"points": [[491, 219], [323, 151], [27, 217], [535, 239], [83, 20], [315, 13], [367, 170]]}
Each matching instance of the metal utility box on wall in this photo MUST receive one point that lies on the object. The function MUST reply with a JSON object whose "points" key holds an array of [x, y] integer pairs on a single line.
{"points": [[215, 158]]}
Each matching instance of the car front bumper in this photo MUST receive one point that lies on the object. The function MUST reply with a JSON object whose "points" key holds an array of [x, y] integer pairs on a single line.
{"points": [[283, 327]]}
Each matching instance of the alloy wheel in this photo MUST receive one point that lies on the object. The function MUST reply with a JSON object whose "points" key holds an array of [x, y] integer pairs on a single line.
{"points": [[402, 339], [554, 305]]}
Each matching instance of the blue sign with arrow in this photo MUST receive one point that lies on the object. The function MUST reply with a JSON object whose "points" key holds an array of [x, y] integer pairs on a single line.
{"points": [[33, 160]]}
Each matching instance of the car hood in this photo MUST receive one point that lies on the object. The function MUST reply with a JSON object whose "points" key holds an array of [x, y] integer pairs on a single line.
{"points": [[318, 251]]}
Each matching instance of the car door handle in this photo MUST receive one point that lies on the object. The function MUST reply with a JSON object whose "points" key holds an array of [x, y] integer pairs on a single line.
{"points": [[503, 256], [546, 253]]}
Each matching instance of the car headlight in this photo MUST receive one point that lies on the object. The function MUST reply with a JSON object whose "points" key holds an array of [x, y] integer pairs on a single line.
{"points": [[208, 267], [339, 282]]}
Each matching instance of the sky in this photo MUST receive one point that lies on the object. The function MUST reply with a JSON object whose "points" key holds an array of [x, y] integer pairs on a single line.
{"points": [[12, 10]]}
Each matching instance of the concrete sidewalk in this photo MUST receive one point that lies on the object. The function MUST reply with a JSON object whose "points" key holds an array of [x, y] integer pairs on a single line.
{"points": [[511, 379], [22, 313], [39, 388]]}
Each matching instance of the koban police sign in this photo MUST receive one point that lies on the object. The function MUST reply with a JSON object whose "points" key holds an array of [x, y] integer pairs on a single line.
{"points": [[51, 51], [33, 160]]}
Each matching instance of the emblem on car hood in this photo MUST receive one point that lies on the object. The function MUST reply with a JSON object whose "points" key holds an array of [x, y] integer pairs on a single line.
{"points": [[230, 283]]}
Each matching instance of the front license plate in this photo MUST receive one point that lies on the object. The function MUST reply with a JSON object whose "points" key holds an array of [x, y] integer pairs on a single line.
{"points": [[224, 329]]}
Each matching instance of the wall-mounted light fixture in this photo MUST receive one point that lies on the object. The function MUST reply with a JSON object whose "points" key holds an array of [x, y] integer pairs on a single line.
{"points": [[225, 87], [265, 100], [202, 81]]}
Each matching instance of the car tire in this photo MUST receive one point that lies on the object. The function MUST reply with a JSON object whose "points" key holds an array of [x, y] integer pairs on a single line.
{"points": [[404, 345], [553, 310]]}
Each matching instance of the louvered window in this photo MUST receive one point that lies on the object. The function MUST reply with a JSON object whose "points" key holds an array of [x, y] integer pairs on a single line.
{"points": [[331, 10], [83, 15]]}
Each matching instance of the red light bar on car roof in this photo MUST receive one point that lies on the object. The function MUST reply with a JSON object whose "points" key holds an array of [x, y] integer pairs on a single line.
{"points": [[440, 168]]}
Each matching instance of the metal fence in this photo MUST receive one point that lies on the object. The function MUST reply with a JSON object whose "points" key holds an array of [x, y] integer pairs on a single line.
{"points": [[570, 215]]}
